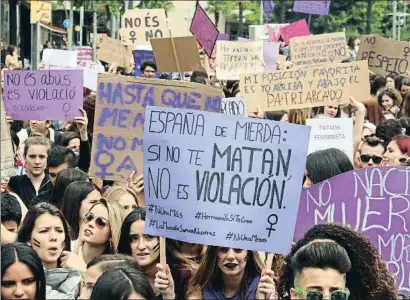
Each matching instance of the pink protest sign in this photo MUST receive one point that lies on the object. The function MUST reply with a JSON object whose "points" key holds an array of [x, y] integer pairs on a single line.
{"points": [[373, 201], [298, 28], [314, 7], [204, 30], [43, 94], [84, 54]]}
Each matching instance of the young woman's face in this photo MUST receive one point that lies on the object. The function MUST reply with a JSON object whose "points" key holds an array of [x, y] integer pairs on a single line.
{"points": [[40, 127], [90, 278], [95, 228], [232, 261], [36, 160], [387, 102], [404, 89], [390, 82], [393, 155], [48, 239], [127, 201], [18, 282], [330, 111], [74, 144], [91, 199], [144, 247]]}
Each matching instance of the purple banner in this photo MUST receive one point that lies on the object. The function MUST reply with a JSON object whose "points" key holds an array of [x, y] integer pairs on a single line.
{"points": [[270, 53], [373, 201], [204, 30], [268, 7], [314, 7], [223, 37], [141, 56], [43, 94]]}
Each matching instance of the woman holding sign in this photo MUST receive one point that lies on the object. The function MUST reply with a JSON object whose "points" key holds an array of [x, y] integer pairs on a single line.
{"points": [[227, 273], [146, 249]]}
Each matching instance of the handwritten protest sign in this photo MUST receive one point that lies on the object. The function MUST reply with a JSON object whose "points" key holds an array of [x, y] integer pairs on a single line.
{"points": [[384, 56], [318, 49], [138, 26], [84, 54], [234, 58], [204, 30], [90, 72], [59, 58], [141, 56], [297, 88], [7, 155], [235, 184], [270, 53], [315, 7], [234, 106], [114, 52], [186, 53], [331, 133], [119, 118], [374, 201], [44, 94], [295, 29]]}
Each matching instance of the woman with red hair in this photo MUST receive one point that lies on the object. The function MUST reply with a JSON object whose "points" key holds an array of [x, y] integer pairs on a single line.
{"points": [[398, 151]]}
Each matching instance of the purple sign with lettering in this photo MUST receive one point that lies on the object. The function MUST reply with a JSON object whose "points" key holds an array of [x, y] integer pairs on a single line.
{"points": [[216, 181], [270, 53], [314, 7], [204, 30], [373, 201], [141, 56], [43, 94]]}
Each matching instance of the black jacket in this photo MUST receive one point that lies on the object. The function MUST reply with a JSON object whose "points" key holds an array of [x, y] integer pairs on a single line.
{"points": [[22, 186]]}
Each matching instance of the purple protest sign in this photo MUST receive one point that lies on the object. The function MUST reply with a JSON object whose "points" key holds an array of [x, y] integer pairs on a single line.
{"points": [[204, 30], [314, 7], [141, 56], [373, 201], [295, 29], [268, 7], [223, 37], [43, 94], [270, 53]]}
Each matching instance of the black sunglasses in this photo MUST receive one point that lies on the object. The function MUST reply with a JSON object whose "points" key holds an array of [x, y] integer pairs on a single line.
{"points": [[376, 159], [99, 221]]}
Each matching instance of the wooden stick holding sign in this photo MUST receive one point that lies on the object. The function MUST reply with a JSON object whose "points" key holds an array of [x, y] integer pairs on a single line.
{"points": [[162, 251], [174, 51]]}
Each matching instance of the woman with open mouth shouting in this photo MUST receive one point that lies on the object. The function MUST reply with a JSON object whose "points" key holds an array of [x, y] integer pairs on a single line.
{"points": [[227, 273], [45, 230]]}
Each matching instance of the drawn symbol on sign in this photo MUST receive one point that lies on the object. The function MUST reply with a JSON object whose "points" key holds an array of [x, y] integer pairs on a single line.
{"points": [[406, 51], [66, 109], [272, 223], [132, 37]]}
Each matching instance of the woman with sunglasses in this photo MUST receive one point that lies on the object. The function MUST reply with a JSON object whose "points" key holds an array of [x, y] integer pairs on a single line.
{"points": [[45, 230], [398, 151], [227, 273], [99, 234], [368, 277], [22, 273]]}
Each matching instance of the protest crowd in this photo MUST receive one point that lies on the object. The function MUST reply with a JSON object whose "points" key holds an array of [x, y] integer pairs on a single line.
{"points": [[208, 168]]}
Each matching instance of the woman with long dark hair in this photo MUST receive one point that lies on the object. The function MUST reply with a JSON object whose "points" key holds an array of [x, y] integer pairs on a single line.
{"points": [[46, 231], [22, 273]]}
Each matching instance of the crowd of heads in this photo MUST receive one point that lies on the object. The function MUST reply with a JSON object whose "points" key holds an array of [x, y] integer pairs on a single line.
{"points": [[66, 234]]}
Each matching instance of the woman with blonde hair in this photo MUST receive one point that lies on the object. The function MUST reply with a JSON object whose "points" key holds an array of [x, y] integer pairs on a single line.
{"points": [[227, 273], [125, 196], [298, 116], [99, 234]]}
